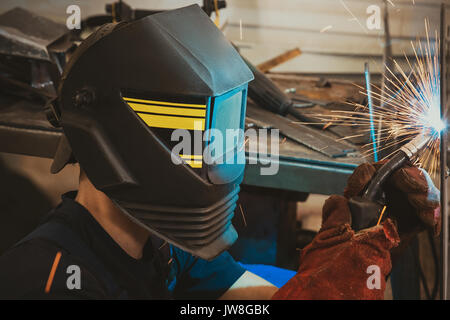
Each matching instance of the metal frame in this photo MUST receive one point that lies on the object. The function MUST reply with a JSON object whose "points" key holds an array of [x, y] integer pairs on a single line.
{"points": [[443, 156]]}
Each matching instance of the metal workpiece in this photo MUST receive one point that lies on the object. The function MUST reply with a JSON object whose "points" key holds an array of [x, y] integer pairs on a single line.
{"points": [[444, 41]]}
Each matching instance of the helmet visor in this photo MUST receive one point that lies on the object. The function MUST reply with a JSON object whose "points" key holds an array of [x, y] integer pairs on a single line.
{"points": [[226, 145]]}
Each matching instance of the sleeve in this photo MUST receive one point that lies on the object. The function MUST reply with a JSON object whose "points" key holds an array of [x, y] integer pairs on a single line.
{"points": [[196, 278]]}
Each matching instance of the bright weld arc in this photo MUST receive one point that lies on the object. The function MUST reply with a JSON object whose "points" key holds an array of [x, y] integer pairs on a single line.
{"points": [[433, 117]]}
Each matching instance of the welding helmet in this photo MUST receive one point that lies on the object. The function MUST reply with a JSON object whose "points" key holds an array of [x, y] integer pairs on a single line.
{"points": [[124, 92]]}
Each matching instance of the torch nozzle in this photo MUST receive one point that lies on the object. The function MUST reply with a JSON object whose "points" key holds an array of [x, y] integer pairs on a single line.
{"points": [[406, 153], [412, 148], [366, 209]]}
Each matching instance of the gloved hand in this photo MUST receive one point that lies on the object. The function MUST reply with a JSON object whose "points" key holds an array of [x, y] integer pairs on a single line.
{"points": [[412, 199], [342, 264], [337, 264]]}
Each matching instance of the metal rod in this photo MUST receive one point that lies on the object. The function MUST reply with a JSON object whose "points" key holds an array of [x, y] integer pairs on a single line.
{"points": [[369, 98], [443, 160]]}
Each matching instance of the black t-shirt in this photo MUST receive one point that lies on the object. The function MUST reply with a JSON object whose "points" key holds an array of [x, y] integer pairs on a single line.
{"points": [[25, 269]]}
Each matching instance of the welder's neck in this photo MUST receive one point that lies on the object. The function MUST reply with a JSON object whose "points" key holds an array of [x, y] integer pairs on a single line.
{"points": [[130, 236]]}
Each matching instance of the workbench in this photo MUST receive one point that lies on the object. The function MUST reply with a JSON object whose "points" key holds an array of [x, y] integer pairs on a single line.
{"points": [[302, 169]]}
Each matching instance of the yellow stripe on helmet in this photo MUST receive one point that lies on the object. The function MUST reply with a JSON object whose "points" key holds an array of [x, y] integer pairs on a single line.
{"points": [[193, 160], [177, 104], [167, 110], [170, 122], [191, 156], [194, 163]]}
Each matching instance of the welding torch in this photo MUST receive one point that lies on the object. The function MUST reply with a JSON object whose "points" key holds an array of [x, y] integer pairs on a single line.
{"points": [[366, 209]]}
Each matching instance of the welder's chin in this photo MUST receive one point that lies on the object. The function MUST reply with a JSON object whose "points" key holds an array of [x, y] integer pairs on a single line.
{"points": [[204, 232]]}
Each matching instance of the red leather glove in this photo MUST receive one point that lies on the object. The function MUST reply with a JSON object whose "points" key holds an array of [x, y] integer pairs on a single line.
{"points": [[338, 263], [342, 264]]}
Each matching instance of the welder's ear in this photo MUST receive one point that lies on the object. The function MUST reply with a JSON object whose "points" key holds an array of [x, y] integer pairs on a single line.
{"points": [[63, 155]]}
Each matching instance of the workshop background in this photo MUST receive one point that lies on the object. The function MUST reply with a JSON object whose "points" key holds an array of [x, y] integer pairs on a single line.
{"points": [[334, 42]]}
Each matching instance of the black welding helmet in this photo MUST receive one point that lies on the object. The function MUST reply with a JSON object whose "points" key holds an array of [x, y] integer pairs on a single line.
{"points": [[124, 92]]}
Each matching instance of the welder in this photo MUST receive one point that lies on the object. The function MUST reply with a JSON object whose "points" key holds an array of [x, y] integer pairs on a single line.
{"points": [[146, 223]]}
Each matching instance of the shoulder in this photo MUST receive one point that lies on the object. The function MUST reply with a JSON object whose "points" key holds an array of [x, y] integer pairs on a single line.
{"points": [[26, 272]]}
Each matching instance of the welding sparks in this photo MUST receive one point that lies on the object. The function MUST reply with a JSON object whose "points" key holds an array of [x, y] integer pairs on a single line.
{"points": [[354, 18], [243, 215], [410, 107], [326, 28], [391, 3]]}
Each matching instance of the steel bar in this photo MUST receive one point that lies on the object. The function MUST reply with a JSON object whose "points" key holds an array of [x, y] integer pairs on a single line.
{"points": [[370, 102], [443, 158]]}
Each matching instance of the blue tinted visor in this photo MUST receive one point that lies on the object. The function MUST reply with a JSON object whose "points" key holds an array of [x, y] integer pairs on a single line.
{"points": [[226, 145]]}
